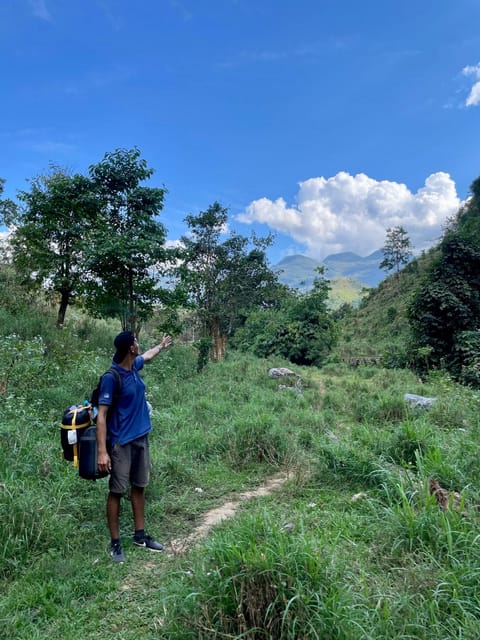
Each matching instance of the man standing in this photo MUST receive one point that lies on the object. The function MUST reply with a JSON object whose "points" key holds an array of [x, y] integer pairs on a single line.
{"points": [[128, 425]]}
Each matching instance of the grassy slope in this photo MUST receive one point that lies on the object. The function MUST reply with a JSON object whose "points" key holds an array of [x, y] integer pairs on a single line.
{"points": [[380, 324], [345, 291], [389, 564]]}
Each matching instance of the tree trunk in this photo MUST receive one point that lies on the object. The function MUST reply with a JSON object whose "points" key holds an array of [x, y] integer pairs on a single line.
{"points": [[62, 310], [219, 341]]}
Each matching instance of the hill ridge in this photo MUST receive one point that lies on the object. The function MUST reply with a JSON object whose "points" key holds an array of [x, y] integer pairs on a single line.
{"points": [[298, 270]]}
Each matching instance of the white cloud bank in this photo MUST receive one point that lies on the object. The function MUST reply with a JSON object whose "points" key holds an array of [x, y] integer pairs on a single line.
{"points": [[352, 213], [473, 99]]}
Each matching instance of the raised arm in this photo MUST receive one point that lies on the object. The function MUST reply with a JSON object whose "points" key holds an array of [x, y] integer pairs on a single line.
{"points": [[154, 351]]}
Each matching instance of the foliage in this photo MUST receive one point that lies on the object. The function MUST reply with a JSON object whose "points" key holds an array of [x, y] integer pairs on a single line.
{"points": [[465, 358], [127, 249], [51, 233], [301, 330], [16, 307], [445, 313], [264, 584], [95, 237]]}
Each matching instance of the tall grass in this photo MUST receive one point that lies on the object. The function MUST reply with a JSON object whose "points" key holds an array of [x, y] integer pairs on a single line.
{"points": [[257, 581]]}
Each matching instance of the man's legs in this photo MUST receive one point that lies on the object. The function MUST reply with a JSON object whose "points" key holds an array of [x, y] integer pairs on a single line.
{"points": [[139, 478], [113, 519], [140, 538], [113, 515], [137, 495], [130, 464]]}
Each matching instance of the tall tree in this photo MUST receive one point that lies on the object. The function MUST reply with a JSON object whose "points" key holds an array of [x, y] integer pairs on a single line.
{"points": [[397, 250], [128, 249], [222, 280], [50, 231]]}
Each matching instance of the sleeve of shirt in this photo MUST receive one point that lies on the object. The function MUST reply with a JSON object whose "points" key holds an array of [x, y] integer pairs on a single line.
{"points": [[139, 362], [107, 389]]}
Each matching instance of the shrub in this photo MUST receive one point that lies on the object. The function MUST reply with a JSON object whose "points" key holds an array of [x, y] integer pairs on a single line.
{"points": [[301, 330]]}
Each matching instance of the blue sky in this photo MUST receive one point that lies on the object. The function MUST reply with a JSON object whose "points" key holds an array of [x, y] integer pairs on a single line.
{"points": [[324, 121]]}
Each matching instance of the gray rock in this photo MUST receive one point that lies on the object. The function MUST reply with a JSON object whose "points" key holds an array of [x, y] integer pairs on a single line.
{"points": [[418, 401], [281, 372]]}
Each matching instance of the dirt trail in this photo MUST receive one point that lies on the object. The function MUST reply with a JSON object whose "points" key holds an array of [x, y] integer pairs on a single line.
{"points": [[227, 510]]}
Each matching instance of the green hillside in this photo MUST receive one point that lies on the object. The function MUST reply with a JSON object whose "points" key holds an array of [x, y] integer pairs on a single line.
{"points": [[380, 324], [345, 290], [441, 291]]}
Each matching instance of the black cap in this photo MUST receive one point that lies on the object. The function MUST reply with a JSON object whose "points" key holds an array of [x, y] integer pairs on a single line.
{"points": [[122, 344]]}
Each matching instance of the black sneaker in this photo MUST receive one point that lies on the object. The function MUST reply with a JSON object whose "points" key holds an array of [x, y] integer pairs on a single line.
{"points": [[148, 542], [116, 552]]}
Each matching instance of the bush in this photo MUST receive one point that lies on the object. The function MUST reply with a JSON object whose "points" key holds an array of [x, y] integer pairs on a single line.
{"points": [[302, 330]]}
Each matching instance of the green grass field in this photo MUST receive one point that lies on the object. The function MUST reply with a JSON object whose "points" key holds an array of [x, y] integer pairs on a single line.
{"points": [[353, 546]]}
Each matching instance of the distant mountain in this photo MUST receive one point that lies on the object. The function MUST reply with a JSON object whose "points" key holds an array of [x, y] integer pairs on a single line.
{"points": [[366, 270], [299, 271]]}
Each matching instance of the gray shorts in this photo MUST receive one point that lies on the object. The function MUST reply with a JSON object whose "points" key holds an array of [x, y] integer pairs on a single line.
{"points": [[130, 465]]}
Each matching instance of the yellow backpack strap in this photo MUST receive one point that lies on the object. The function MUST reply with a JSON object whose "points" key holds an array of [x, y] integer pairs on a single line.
{"points": [[74, 427]]}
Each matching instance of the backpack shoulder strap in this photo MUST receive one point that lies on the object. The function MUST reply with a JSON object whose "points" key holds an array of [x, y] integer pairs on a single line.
{"points": [[118, 382]]}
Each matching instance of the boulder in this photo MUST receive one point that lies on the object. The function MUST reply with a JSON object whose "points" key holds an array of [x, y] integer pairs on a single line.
{"points": [[418, 401], [281, 372]]}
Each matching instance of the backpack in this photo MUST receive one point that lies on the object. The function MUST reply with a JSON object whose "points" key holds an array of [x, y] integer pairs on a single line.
{"points": [[78, 430], [75, 421]]}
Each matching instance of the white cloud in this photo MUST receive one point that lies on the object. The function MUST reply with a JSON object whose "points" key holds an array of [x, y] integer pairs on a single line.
{"points": [[352, 213], [473, 98], [174, 244]]}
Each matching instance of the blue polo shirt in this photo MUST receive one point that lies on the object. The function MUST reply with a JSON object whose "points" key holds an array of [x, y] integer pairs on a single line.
{"points": [[130, 418]]}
